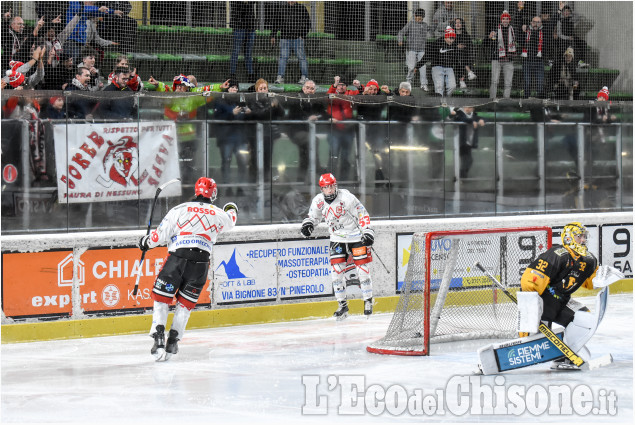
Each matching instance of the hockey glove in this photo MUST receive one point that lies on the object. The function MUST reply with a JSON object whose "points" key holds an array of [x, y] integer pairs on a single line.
{"points": [[605, 275], [368, 237], [143, 243], [307, 229], [230, 206]]}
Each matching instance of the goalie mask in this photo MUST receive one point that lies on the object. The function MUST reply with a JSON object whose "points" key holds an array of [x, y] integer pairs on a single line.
{"points": [[328, 186], [206, 187], [574, 237]]}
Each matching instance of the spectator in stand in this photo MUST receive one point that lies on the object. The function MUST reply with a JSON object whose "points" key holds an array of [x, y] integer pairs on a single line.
{"points": [[265, 110], [416, 32], [533, 64], [521, 17], [135, 82], [92, 34], [16, 45], [55, 109], [563, 78], [443, 18], [342, 135], [121, 108], [205, 90], [567, 38], [54, 41], [119, 26], [598, 116], [80, 107], [549, 18], [58, 77], [465, 53], [444, 59], [77, 39], [294, 24], [371, 108], [32, 79], [230, 138], [468, 136], [401, 111], [243, 23], [503, 42], [88, 62], [308, 109]]}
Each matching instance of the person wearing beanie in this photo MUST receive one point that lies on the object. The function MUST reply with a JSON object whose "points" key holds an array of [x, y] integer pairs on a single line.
{"points": [[563, 79], [603, 94], [600, 114], [55, 108], [503, 48], [444, 56], [15, 79], [416, 33]]}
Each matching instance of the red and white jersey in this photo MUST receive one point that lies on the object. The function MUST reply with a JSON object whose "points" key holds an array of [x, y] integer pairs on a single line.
{"points": [[192, 225], [340, 216]]}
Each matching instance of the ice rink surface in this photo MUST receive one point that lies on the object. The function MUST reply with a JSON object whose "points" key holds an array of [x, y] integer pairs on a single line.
{"points": [[254, 374]]}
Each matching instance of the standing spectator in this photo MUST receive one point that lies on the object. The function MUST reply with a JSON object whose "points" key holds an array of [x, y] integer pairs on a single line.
{"points": [[294, 24], [567, 38], [521, 17], [88, 62], [598, 116], [342, 135], [119, 26], [119, 107], [189, 239], [77, 39], [416, 32], [563, 77], [32, 79], [371, 108], [468, 136], [16, 45], [443, 18], [80, 107], [503, 44], [549, 18], [308, 109], [230, 138], [350, 234], [55, 41], [55, 109], [243, 23], [444, 59], [135, 82], [465, 53], [533, 64], [92, 34], [59, 77]]}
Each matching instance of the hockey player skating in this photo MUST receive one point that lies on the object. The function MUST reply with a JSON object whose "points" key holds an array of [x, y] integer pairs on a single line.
{"points": [[554, 276], [340, 209], [190, 230]]}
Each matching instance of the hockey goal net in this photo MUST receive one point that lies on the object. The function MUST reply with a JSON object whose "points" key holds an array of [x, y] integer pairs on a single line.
{"points": [[444, 297]]}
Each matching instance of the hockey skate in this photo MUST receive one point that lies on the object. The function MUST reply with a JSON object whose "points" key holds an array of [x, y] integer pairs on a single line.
{"points": [[564, 364], [158, 349], [342, 312], [368, 307], [172, 346]]}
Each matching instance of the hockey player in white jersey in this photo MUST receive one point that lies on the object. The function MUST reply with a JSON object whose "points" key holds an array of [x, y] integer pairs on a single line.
{"points": [[349, 228], [190, 230]]}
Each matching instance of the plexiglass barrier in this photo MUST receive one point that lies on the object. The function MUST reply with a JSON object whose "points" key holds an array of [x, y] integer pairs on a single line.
{"points": [[95, 163]]}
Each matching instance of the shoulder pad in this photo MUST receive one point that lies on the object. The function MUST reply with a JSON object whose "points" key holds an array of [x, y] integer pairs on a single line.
{"points": [[561, 251]]}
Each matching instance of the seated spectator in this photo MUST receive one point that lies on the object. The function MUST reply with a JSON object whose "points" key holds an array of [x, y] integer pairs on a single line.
{"points": [[563, 78], [88, 62], [135, 82], [465, 53], [468, 136], [55, 109], [80, 107], [230, 138], [118, 107], [445, 59]]}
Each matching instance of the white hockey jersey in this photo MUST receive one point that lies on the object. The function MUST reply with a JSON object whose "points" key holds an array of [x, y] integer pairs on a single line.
{"points": [[192, 225], [340, 216]]}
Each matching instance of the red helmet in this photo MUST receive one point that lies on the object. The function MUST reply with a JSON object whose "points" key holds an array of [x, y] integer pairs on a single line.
{"points": [[328, 180], [206, 187]]}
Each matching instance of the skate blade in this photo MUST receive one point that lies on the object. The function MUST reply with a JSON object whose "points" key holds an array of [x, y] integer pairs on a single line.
{"points": [[159, 356], [563, 366], [605, 360], [477, 370], [342, 317]]}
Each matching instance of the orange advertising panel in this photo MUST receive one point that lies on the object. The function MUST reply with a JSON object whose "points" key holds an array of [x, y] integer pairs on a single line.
{"points": [[41, 283]]}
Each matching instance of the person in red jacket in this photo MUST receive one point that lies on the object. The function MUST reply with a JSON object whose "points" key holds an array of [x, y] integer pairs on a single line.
{"points": [[341, 136]]}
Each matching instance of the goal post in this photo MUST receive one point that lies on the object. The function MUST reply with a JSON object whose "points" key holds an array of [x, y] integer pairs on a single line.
{"points": [[444, 297]]}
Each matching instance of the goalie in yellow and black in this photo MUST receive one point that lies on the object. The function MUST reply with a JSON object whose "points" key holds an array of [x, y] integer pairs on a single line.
{"points": [[550, 280]]}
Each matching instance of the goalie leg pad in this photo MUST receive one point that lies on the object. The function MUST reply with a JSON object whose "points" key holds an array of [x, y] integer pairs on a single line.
{"points": [[529, 311], [584, 323], [159, 315]]}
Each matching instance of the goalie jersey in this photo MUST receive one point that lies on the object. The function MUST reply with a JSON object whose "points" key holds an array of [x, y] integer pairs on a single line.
{"points": [[559, 270], [340, 216], [192, 225]]}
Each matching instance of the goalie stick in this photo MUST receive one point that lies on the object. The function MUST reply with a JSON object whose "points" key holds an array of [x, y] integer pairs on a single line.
{"points": [[154, 203], [362, 232], [544, 329]]}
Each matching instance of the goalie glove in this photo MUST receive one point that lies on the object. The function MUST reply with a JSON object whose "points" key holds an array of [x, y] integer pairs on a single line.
{"points": [[605, 275], [368, 237], [143, 243], [307, 228], [230, 206]]}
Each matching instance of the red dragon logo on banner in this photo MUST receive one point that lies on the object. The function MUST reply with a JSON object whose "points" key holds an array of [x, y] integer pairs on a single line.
{"points": [[120, 163]]}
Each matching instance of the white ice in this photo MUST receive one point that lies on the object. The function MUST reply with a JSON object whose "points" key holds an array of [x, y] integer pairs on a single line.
{"points": [[254, 374]]}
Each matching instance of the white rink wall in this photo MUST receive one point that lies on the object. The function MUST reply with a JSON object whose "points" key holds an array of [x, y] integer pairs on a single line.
{"points": [[386, 248]]}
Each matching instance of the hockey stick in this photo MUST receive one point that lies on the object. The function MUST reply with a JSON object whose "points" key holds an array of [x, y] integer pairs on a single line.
{"points": [[544, 329], [154, 203], [362, 232]]}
